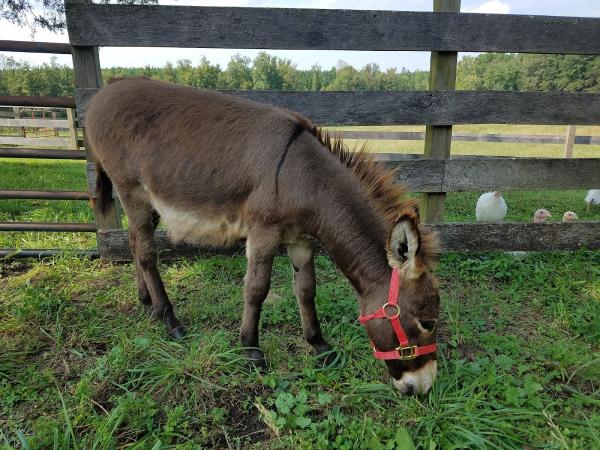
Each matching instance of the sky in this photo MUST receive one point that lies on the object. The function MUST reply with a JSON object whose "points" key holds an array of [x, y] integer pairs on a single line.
{"points": [[304, 59]]}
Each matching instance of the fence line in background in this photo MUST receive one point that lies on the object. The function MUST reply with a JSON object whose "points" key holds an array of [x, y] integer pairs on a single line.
{"points": [[42, 153], [52, 125]]}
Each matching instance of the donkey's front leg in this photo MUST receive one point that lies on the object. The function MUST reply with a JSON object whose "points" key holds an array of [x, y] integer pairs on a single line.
{"points": [[302, 256], [261, 248]]}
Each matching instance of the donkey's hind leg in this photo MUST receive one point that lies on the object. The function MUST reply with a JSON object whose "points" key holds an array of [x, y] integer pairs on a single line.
{"points": [[302, 256], [142, 223], [143, 293]]}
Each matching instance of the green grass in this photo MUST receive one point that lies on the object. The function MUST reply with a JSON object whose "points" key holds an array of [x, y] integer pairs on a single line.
{"points": [[81, 366]]}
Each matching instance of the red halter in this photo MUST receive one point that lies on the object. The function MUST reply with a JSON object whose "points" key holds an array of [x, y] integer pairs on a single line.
{"points": [[405, 351]]}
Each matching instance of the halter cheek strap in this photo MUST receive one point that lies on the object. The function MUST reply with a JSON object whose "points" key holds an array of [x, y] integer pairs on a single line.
{"points": [[391, 311]]}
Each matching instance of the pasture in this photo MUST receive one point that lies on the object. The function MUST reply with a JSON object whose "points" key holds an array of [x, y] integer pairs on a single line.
{"points": [[82, 366]]}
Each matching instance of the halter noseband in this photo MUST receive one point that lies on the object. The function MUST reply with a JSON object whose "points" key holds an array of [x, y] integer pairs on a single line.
{"points": [[405, 351]]}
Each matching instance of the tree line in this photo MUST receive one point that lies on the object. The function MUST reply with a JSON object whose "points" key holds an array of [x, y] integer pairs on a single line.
{"points": [[492, 71]]}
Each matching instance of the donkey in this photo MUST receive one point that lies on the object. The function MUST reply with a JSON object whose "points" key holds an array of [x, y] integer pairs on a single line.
{"points": [[218, 169]]}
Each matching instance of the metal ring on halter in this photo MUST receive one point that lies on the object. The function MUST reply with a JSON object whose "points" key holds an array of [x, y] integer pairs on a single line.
{"points": [[393, 315], [407, 353]]}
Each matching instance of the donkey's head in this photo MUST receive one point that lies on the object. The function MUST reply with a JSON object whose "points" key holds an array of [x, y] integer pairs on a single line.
{"points": [[404, 330]]}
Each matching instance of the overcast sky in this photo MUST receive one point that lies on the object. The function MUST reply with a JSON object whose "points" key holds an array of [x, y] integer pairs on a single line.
{"points": [[111, 56]]}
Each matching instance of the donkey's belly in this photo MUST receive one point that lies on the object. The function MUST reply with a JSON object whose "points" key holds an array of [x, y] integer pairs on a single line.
{"points": [[191, 227]]}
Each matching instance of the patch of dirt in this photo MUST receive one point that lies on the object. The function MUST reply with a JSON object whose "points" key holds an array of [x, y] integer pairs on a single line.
{"points": [[14, 268], [246, 424]]}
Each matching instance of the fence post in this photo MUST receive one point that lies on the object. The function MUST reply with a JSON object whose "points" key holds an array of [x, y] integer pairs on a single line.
{"points": [[72, 128], [570, 140], [17, 112], [438, 139], [86, 66]]}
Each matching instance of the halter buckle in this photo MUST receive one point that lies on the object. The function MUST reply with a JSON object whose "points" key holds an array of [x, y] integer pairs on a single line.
{"points": [[406, 353], [384, 308]]}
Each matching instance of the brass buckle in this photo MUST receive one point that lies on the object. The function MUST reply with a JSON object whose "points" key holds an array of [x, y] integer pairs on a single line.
{"points": [[393, 315], [407, 353]]}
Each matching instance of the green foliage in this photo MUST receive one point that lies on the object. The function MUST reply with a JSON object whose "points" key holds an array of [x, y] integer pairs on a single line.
{"points": [[503, 71], [492, 71]]}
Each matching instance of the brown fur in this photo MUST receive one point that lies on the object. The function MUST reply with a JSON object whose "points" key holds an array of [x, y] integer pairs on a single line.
{"points": [[218, 168]]}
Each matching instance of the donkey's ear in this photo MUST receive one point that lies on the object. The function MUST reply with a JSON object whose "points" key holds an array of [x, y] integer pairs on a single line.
{"points": [[404, 244]]}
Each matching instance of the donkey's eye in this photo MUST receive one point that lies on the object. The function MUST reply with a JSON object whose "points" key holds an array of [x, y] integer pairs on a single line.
{"points": [[428, 325]]}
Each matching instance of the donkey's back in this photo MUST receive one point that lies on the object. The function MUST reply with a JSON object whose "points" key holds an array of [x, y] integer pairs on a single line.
{"points": [[200, 159], [161, 132]]}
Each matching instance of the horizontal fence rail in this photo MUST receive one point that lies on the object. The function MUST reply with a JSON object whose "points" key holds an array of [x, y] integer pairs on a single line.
{"points": [[35, 47], [32, 100], [40, 153], [423, 107], [43, 195], [455, 237], [479, 174], [34, 123], [48, 226], [36, 141], [45, 253], [468, 137], [322, 29]]}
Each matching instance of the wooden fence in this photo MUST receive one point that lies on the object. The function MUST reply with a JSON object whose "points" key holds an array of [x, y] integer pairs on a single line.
{"points": [[48, 126], [443, 32], [16, 150]]}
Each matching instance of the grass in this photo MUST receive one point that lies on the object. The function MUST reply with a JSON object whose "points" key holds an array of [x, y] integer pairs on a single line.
{"points": [[82, 366]]}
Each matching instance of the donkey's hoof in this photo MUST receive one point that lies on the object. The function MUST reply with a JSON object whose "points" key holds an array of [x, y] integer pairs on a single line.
{"points": [[177, 333], [257, 358]]}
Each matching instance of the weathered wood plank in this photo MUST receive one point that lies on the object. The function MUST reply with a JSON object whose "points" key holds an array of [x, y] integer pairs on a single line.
{"points": [[113, 245], [35, 47], [31, 100], [455, 237], [35, 142], [423, 107], [322, 29], [482, 174], [519, 236], [34, 123], [478, 174]]}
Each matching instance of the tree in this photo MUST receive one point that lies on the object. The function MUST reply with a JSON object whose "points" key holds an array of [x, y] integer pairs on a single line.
{"points": [[265, 75], [238, 74], [48, 14]]}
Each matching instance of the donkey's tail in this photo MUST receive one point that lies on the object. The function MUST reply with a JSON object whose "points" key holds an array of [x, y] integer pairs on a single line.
{"points": [[104, 189]]}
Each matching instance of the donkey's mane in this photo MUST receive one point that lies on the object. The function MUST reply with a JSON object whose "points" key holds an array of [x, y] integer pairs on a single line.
{"points": [[379, 184]]}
